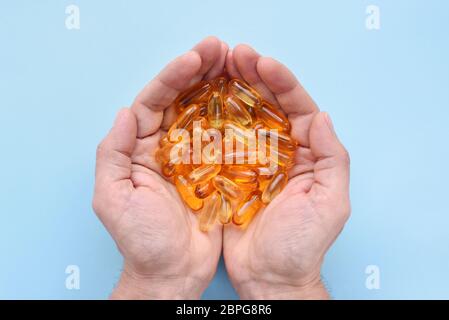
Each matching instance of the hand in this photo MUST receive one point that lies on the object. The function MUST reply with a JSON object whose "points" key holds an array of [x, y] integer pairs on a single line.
{"points": [[165, 254], [280, 254]]}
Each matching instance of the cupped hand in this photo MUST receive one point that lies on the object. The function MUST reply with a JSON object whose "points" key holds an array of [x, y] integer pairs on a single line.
{"points": [[165, 253], [280, 254]]}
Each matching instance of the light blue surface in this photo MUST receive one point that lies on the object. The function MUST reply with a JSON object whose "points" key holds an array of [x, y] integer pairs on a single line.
{"points": [[387, 91]]}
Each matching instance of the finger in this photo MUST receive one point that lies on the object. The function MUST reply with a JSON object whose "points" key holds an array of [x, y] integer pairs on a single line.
{"points": [[149, 105], [170, 116], [114, 152], [292, 97], [144, 153], [230, 66], [246, 60], [177, 76], [217, 69], [331, 170], [209, 51]]}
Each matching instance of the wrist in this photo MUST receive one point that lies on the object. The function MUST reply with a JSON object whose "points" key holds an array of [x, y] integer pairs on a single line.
{"points": [[135, 286], [262, 290]]}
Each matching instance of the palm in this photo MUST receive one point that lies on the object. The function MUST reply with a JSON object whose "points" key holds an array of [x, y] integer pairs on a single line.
{"points": [[154, 220], [286, 242], [290, 232], [157, 235]]}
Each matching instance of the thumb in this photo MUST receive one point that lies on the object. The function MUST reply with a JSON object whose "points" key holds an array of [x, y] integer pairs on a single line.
{"points": [[114, 152], [331, 170]]}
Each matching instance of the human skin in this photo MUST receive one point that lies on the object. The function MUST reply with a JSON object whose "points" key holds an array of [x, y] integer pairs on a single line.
{"points": [[279, 255], [165, 255]]}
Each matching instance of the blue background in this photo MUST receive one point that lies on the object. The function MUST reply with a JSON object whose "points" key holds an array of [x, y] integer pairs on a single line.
{"points": [[387, 91]]}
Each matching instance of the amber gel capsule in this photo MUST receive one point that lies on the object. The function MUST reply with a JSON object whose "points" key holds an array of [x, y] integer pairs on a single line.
{"points": [[248, 208], [187, 193], [168, 169], [244, 92], [183, 169], [284, 140], [225, 211], [185, 119], [163, 154], [196, 93], [240, 133], [263, 184], [203, 173], [245, 157], [215, 112], [221, 85], [239, 174], [209, 212], [252, 112], [236, 111], [164, 141], [259, 125], [264, 173], [248, 187], [203, 190], [276, 185], [272, 117], [203, 109], [227, 187], [282, 158]]}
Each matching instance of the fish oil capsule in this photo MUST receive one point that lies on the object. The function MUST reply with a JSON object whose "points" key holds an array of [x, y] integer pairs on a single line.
{"points": [[240, 174], [164, 140], [225, 211], [187, 193], [199, 123], [264, 173], [163, 154], [249, 186], [272, 117], [274, 187], [168, 169], [240, 133], [180, 153], [215, 113], [240, 157], [203, 190], [252, 112], [203, 109], [203, 173], [284, 140], [263, 184], [258, 125], [237, 112], [221, 86], [210, 211], [185, 119], [248, 208], [231, 192], [196, 93], [183, 169], [282, 158], [244, 92], [227, 187]]}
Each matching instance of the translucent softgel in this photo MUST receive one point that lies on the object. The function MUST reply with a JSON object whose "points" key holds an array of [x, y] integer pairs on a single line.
{"points": [[228, 151]]}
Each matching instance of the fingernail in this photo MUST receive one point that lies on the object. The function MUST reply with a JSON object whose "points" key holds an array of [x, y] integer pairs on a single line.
{"points": [[329, 122]]}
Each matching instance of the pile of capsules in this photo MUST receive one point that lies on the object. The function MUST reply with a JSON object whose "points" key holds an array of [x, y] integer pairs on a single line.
{"points": [[233, 184]]}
